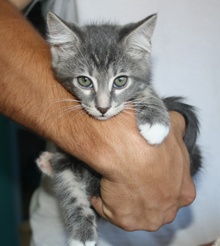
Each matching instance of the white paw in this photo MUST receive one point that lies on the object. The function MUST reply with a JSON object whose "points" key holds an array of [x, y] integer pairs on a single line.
{"points": [[75, 243], [154, 134], [90, 243], [78, 243], [44, 164]]}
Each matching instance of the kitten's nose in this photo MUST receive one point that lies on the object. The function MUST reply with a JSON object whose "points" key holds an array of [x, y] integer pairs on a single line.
{"points": [[103, 110]]}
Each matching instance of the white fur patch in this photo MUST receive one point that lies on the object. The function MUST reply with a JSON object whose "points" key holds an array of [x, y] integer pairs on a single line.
{"points": [[90, 243], [154, 134], [94, 81], [78, 243]]}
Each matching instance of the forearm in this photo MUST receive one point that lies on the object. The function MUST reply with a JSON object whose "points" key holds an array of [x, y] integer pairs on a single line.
{"points": [[24, 68], [28, 89], [30, 95], [23, 56]]}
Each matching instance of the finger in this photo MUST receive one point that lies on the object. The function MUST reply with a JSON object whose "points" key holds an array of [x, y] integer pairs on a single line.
{"points": [[98, 206], [188, 186], [189, 193]]}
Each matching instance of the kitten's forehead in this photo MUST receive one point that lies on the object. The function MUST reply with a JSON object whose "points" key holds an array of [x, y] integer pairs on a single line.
{"points": [[102, 78], [101, 44], [105, 33]]}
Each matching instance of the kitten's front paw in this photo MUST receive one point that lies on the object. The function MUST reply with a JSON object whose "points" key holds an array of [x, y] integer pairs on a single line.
{"points": [[154, 134], [44, 164], [78, 243], [90, 243]]}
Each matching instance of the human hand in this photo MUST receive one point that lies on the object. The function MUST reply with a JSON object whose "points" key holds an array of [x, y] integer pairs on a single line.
{"points": [[145, 191]]}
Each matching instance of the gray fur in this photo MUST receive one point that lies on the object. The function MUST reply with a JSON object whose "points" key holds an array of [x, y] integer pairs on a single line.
{"points": [[107, 55]]}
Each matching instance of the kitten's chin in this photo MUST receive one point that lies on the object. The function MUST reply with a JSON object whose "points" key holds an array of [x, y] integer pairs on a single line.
{"points": [[103, 117]]}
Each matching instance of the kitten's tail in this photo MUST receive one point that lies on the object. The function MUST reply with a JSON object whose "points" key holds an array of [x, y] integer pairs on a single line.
{"points": [[192, 128]]}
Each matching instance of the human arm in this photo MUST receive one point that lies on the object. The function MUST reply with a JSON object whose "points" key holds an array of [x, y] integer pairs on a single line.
{"points": [[137, 171]]}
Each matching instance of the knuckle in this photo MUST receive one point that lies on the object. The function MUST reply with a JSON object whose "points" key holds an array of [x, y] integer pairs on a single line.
{"points": [[107, 213], [127, 224], [154, 226], [189, 196], [170, 215], [130, 223], [151, 224], [170, 218], [121, 219]]}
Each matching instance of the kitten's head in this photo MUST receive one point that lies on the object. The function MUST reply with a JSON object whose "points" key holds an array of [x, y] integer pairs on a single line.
{"points": [[104, 66]]}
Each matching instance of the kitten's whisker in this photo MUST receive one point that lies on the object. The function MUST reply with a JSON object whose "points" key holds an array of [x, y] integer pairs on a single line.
{"points": [[50, 103], [128, 111], [122, 115], [129, 106], [64, 113], [71, 108], [143, 112], [80, 113], [148, 105], [65, 100], [47, 105]]}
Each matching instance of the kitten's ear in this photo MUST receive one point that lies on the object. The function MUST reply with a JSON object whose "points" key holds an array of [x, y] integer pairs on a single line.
{"points": [[59, 32], [138, 40]]}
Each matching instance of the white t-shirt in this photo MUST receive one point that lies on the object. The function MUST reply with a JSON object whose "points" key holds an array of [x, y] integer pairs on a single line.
{"points": [[186, 62]]}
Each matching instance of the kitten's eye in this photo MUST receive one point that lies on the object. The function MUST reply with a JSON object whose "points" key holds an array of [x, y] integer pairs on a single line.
{"points": [[85, 82], [120, 82]]}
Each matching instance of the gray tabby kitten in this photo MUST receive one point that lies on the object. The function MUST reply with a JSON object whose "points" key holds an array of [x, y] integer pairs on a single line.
{"points": [[105, 67]]}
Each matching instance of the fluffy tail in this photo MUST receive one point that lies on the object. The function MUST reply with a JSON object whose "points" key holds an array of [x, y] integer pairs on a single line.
{"points": [[192, 128]]}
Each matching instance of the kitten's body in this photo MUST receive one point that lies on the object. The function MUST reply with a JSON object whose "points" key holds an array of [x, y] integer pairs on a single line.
{"points": [[106, 67]]}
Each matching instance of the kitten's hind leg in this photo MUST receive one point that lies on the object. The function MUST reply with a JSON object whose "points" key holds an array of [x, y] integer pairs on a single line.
{"points": [[79, 218]]}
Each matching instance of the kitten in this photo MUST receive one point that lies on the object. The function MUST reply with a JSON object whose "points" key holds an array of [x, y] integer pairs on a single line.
{"points": [[106, 67]]}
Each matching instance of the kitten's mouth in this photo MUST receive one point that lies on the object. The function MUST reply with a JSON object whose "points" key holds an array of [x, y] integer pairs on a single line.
{"points": [[106, 117], [100, 116], [103, 117]]}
